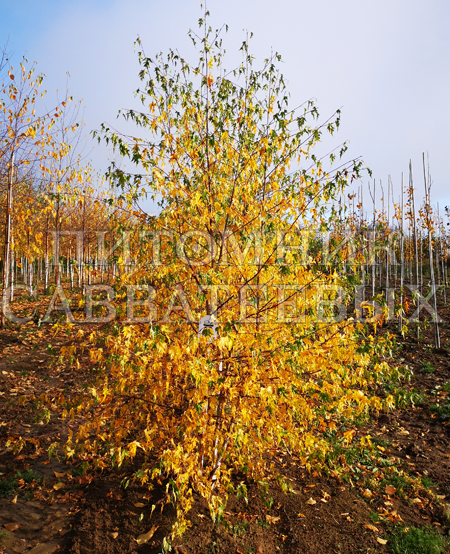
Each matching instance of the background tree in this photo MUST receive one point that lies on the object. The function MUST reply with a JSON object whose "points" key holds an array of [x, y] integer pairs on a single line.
{"points": [[37, 161]]}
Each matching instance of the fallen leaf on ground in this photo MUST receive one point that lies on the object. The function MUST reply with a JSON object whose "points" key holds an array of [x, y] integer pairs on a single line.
{"points": [[301, 515], [395, 516], [114, 535], [58, 475], [272, 519], [14, 500], [371, 527], [416, 501], [139, 505], [58, 486], [381, 541], [367, 493], [12, 526], [390, 490], [142, 539], [311, 502]]}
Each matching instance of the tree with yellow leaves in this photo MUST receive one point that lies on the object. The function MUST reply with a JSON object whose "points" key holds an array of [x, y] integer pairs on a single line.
{"points": [[35, 157], [272, 365]]}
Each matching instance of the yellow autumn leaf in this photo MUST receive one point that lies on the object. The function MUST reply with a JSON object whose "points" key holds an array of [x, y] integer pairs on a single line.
{"points": [[145, 537], [371, 527]]}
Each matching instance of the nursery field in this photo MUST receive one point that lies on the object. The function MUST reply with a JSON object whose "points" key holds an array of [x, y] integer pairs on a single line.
{"points": [[225, 342]]}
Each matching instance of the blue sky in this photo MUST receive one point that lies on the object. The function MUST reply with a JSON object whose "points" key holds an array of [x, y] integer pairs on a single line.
{"points": [[384, 62]]}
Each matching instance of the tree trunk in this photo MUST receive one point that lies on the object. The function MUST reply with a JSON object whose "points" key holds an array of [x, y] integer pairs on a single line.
{"points": [[7, 250]]}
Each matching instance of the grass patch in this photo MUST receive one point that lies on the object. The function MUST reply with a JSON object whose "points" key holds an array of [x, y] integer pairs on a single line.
{"points": [[29, 475], [412, 540], [404, 398], [427, 482], [240, 528], [442, 411], [262, 523], [397, 480], [427, 368], [9, 485], [380, 441]]}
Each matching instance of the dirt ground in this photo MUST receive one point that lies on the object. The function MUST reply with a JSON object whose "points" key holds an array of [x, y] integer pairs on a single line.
{"points": [[51, 506]]}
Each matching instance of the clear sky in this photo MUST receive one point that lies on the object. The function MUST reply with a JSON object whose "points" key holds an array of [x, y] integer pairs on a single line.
{"points": [[386, 63]]}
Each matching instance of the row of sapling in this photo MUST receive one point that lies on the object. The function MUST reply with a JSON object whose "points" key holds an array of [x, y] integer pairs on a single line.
{"points": [[405, 247], [44, 189], [398, 250], [50, 199]]}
